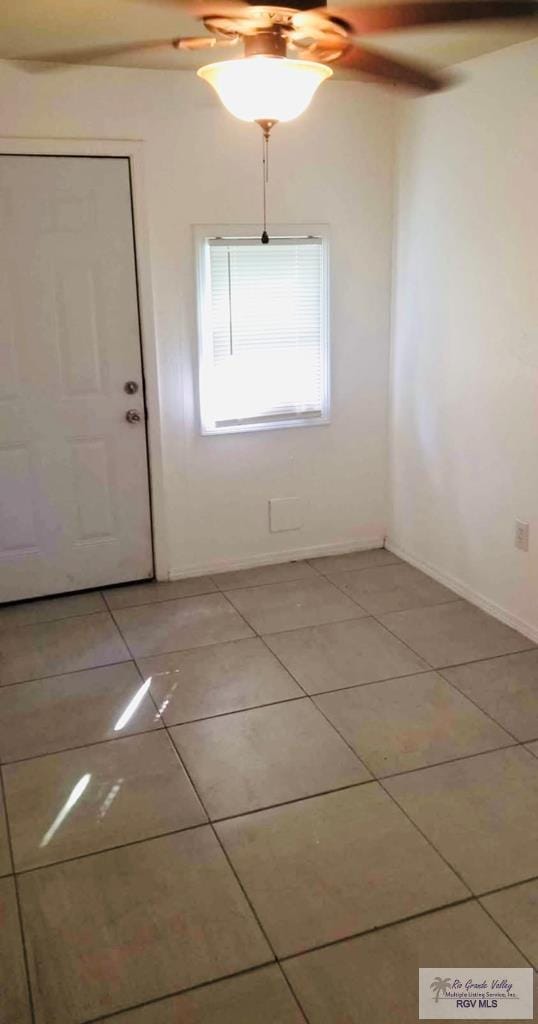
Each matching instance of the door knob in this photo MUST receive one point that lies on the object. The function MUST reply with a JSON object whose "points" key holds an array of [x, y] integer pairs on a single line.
{"points": [[133, 416]]}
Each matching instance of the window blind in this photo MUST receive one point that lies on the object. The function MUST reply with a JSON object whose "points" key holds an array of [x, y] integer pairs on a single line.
{"points": [[266, 314]]}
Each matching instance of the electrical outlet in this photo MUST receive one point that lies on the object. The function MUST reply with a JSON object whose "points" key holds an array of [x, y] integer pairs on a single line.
{"points": [[521, 536]]}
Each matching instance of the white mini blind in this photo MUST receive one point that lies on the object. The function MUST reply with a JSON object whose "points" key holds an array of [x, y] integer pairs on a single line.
{"points": [[265, 321]]}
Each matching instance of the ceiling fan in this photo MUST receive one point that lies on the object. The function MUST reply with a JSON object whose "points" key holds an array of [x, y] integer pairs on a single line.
{"points": [[267, 85]]}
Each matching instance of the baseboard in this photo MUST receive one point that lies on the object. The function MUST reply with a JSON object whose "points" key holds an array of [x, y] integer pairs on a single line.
{"points": [[465, 591], [273, 558]]}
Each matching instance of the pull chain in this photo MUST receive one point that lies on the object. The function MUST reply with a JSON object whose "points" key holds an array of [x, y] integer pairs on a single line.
{"points": [[266, 129], [265, 169]]}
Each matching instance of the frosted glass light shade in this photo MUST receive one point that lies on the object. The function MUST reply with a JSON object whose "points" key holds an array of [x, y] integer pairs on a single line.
{"points": [[264, 88]]}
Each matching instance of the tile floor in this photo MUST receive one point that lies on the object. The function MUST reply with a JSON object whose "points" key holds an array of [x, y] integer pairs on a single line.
{"points": [[267, 796]]}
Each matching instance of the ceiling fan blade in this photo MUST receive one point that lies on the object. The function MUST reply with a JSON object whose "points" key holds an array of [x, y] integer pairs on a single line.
{"points": [[386, 17], [207, 8], [202, 42], [94, 55], [377, 66], [91, 55]]}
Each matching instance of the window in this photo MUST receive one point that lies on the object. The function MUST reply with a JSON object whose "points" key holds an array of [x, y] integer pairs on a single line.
{"points": [[263, 325]]}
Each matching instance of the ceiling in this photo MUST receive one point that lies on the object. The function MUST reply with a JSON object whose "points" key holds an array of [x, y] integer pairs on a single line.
{"points": [[35, 30]]}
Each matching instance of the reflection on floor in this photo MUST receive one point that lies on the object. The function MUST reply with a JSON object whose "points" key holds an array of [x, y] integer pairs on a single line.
{"points": [[264, 796]]}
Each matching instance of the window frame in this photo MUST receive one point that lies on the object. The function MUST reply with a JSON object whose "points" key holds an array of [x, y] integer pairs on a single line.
{"points": [[202, 235]]}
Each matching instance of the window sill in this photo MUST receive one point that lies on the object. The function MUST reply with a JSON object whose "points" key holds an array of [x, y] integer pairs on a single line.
{"points": [[243, 428]]}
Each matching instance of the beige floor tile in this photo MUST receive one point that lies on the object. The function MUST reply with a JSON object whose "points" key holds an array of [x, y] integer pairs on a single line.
{"points": [[282, 606], [533, 747], [47, 609], [391, 588], [409, 723], [343, 654], [65, 805], [335, 865], [507, 688], [516, 910], [261, 996], [354, 560], [117, 929], [14, 1001], [52, 648], [480, 813], [374, 979], [280, 573], [450, 634], [178, 625], [46, 715], [265, 756], [5, 858], [152, 591], [215, 680]]}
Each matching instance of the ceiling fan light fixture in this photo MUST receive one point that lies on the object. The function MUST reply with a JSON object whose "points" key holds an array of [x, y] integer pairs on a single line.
{"points": [[264, 88]]}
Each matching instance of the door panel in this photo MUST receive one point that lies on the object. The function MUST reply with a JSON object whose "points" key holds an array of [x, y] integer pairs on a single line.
{"points": [[74, 491]]}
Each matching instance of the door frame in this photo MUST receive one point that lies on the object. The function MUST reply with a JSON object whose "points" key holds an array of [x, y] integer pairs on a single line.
{"points": [[133, 150]]}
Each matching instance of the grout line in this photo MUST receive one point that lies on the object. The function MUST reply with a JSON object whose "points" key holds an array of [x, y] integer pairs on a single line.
{"points": [[450, 866], [360, 568], [180, 992], [236, 711], [224, 852], [212, 820], [10, 626], [483, 710], [457, 664], [464, 757], [490, 657], [282, 961], [410, 608], [83, 746], [303, 578], [504, 888], [380, 928], [162, 600], [370, 682], [72, 672], [413, 823], [509, 937], [449, 760], [477, 661], [17, 900], [294, 800], [108, 849], [314, 625], [215, 834], [379, 621], [292, 991]]}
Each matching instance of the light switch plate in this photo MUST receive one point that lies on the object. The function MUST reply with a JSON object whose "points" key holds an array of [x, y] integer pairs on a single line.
{"points": [[285, 514]]}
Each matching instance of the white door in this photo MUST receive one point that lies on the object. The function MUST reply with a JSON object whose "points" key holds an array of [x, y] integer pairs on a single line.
{"points": [[74, 495]]}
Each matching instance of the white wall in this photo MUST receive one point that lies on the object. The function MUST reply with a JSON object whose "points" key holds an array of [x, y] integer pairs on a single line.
{"points": [[334, 165], [465, 360]]}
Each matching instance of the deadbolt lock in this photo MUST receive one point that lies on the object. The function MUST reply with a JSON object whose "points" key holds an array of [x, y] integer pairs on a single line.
{"points": [[131, 387]]}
